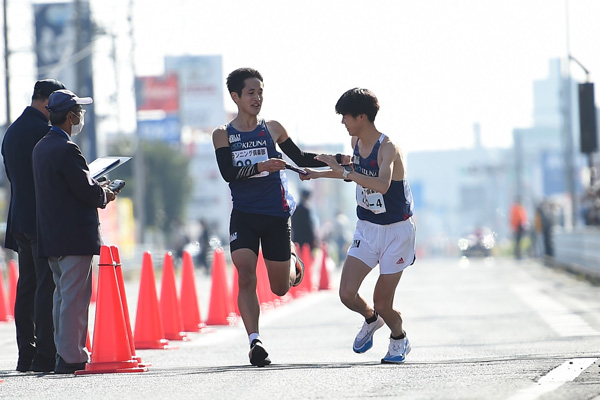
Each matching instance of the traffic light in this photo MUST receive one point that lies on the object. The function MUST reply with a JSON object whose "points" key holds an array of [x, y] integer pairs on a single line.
{"points": [[587, 119]]}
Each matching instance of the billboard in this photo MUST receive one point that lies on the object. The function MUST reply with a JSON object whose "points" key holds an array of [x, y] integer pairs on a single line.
{"points": [[157, 99], [200, 90], [157, 93], [63, 47], [160, 127], [55, 41]]}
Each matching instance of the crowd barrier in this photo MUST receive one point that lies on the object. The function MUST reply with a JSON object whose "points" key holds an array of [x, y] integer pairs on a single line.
{"points": [[578, 250]]}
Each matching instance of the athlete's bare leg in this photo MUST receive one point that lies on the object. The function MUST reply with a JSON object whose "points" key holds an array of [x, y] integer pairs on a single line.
{"points": [[245, 263], [383, 300], [282, 274], [353, 274]]}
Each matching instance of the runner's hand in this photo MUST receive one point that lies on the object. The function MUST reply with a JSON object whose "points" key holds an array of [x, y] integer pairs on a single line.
{"points": [[271, 165]]}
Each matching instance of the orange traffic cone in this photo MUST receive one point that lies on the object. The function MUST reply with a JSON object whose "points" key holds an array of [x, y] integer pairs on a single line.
{"points": [[13, 279], [111, 352], [149, 332], [121, 283], [170, 307], [220, 309], [190, 314], [5, 315], [306, 256], [324, 280]]}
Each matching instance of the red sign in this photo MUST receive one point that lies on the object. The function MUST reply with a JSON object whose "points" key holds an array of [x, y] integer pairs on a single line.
{"points": [[157, 93]]}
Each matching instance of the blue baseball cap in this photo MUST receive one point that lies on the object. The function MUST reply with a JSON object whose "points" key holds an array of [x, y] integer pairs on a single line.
{"points": [[63, 99]]}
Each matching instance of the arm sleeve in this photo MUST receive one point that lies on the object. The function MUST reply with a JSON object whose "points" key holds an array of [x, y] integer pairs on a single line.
{"points": [[230, 172], [301, 158]]}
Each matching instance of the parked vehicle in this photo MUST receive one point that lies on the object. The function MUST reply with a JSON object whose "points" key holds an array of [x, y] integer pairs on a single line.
{"points": [[479, 242]]}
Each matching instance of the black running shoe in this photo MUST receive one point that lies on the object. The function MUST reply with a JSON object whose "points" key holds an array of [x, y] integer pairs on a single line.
{"points": [[258, 355], [299, 271]]}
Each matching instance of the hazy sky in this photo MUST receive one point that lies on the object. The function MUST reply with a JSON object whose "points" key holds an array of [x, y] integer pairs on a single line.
{"points": [[437, 66]]}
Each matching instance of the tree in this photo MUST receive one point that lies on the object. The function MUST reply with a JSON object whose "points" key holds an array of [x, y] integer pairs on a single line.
{"points": [[167, 183]]}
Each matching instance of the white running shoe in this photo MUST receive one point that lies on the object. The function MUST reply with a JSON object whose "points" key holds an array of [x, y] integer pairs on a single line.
{"points": [[364, 339], [397, 351]]}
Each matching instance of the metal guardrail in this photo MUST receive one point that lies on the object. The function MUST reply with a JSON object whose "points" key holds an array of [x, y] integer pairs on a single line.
{"points": [[578, 250]]}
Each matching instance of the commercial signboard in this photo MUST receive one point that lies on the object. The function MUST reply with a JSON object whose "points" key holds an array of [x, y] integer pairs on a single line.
{"points": [[157, 93], [200, 90]]}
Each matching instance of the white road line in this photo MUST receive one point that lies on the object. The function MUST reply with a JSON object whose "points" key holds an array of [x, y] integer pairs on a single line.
{"points": [[560, 318], [566, 372]]}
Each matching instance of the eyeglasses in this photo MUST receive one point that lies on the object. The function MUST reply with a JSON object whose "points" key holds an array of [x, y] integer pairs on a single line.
{"points": [[80, 115]]}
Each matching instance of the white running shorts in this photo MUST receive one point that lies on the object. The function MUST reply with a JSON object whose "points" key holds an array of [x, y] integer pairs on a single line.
{"points": [[391, 246]]}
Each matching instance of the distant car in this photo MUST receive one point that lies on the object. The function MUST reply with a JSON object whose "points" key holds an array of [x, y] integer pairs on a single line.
{"points": [[480, 243]]}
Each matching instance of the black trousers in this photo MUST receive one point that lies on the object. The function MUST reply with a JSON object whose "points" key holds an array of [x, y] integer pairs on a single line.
{"points": [[33, 303]]}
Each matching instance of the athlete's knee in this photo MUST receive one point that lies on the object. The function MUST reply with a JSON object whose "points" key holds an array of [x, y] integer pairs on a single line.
{"points": [[280, 289], [246, 278], [347, 296]]}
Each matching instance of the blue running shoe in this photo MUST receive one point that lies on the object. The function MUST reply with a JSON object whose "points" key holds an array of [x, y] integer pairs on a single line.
{"points": [[364, 339], [397, 351]]}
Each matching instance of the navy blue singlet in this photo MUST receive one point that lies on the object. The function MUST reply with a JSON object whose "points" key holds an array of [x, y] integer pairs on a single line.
{"points": [[382, 209], [264, 193]]}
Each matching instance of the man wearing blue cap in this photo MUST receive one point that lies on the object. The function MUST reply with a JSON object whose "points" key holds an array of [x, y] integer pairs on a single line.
{"points": [[33, 303], [68, 227]]}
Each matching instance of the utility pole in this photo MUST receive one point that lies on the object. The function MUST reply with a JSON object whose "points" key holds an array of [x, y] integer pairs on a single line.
{"points": [[568, 129], [83, 73], [139, 170], [3, 178], [6, 67]]}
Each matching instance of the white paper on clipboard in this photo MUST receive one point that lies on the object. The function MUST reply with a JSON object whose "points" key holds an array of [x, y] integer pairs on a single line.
{"points": [[103, 165]]}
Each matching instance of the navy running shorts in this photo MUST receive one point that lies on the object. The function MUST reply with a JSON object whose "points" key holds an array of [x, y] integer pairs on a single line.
{"points": [[248, 230]]}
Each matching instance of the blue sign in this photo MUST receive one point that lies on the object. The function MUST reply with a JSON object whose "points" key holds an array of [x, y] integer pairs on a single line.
{"points": [[166, 129]]}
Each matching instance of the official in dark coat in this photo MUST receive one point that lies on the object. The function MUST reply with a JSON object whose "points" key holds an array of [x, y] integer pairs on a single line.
{"points": [[303, 231], [68, 227], [33, 303]]}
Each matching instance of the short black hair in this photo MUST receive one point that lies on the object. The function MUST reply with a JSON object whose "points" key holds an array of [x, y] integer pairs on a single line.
{"points": [[58, 118], [44, 88], [236, 79], [358, 101]]}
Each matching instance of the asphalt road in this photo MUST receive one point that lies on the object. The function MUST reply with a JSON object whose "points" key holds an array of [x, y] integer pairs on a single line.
{"points": [[479, 329]]}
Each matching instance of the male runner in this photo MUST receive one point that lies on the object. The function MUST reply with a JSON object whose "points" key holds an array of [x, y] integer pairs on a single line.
{"points": [[385, 231], [248, 160]]}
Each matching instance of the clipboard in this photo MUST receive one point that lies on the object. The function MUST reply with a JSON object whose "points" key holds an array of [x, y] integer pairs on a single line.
{"points": [[103, 165]]}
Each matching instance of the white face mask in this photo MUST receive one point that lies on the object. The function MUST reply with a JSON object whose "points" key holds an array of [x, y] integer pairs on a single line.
{"points": [[76, 129]]}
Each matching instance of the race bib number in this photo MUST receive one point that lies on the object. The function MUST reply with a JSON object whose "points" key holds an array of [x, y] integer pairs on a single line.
{"points": [[370, 200], [247, 157]]}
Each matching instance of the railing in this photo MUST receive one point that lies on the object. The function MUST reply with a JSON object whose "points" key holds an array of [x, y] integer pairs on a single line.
{"points": [[578, 250]]}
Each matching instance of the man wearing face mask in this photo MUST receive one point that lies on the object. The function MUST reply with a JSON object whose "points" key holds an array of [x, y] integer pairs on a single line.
{"points": [[68, 227]]}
